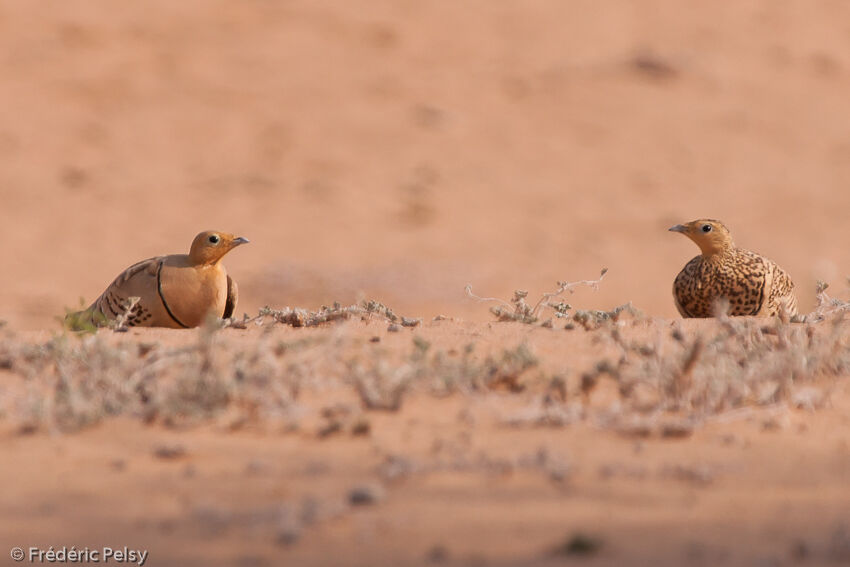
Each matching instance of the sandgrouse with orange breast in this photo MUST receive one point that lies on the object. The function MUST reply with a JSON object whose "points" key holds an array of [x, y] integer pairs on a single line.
{"points": [[751, 283], [178, 291]]}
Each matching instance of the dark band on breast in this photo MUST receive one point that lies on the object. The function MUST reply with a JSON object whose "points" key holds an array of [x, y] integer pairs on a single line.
{"points": [[162, 297]]}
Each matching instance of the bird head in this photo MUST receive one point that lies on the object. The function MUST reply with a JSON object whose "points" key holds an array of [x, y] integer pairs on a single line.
{"points": [[210, 246], [711, 236]]}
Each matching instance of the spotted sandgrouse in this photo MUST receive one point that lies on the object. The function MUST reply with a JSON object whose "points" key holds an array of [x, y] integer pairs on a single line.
{"points": [[177, 291], [752, 284]]}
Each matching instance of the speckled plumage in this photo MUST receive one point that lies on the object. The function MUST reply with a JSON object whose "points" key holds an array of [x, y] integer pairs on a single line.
{"points": [[751, 283], [176, 291]]}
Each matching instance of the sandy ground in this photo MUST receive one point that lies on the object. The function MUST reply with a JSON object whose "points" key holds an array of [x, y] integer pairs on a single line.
{"points": [[457, 480], [400, 150]]}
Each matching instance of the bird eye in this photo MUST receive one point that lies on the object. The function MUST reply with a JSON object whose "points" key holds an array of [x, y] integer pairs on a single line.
{"points": [[706, 228], [214, 239]]}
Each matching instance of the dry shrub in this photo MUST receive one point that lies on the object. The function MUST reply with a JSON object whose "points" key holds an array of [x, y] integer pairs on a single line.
{"points": [[297, 317], [382, 383], [668, 384], [747, 362], [671, 384], [519, 310], [75, 380], [69, 382]]}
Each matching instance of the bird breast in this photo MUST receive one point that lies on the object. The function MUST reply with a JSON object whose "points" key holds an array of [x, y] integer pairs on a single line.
{"points": [[192, 292]]}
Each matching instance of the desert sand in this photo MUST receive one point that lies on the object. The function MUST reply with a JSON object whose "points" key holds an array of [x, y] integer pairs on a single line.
{"points": [[398, 151]]}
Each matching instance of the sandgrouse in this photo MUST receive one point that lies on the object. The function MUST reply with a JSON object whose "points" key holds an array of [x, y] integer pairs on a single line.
{"points": [[178, 291], [752, 284]]}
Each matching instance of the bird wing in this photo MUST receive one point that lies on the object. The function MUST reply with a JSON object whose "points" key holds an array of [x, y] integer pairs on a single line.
{"points": [[139, 280], [781, 292], [685, 287], [232, 298], [682, 311]]}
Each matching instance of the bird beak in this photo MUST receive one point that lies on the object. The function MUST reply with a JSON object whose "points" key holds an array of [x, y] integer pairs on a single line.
{"points": [[240, 240], [678, 228]]}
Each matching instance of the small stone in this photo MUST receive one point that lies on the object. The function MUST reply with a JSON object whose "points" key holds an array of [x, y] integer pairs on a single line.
{"points": [[636, 428], [170, 452], [437, 554], [361, 427], [677, 429], [800, 550], [330, 428], [578, 545], [366, 494]]}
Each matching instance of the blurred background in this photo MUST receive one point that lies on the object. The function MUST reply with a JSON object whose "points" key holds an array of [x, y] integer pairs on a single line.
{"points": [[398, 149]]}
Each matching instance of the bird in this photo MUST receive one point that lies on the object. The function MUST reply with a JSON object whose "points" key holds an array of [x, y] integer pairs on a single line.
{"points": [[178, 291], [749, 282]]}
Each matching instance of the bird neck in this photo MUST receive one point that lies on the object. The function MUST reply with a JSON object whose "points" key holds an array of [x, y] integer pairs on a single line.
{"points": [[200, 260], [717, 254], [210, 264]]}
